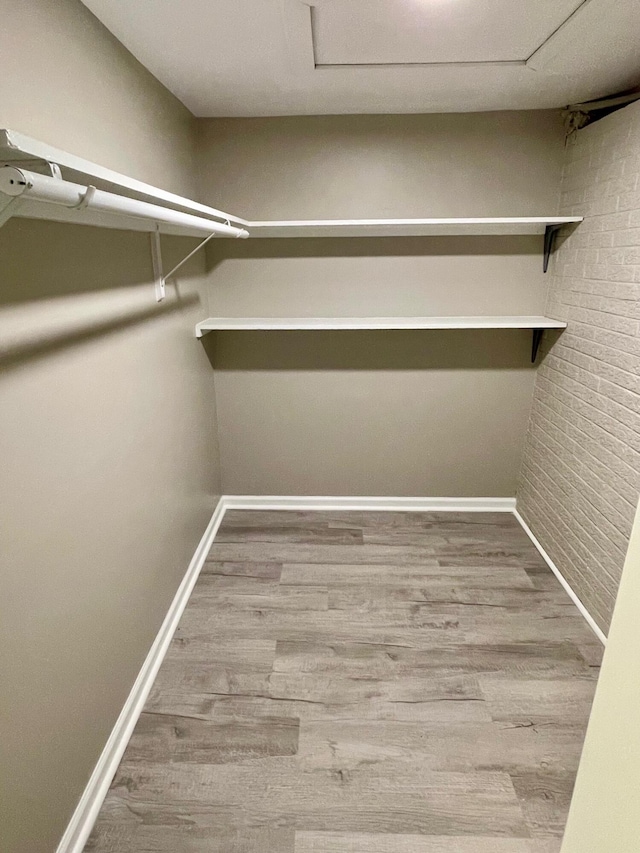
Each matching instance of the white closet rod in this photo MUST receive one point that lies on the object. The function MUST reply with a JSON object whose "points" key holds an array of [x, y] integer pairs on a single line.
{"points": [[42, 188]]}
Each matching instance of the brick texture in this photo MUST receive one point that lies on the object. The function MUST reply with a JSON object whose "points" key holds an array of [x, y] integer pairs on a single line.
{"points": [[580, 475]]}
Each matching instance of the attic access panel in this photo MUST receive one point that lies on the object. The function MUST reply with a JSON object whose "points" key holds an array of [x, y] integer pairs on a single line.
{"points": [[425, 32]]}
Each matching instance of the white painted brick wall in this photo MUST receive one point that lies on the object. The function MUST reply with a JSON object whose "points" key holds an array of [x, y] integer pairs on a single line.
{"points": [[580, 475]]}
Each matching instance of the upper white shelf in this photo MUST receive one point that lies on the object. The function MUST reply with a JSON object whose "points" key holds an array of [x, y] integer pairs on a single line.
{"points": [[20, 150], [350, 323], [481, 226]]}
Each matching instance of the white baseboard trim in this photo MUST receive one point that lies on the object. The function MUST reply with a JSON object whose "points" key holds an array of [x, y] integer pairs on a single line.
{"points": [[572, 595], [84, 817], [380, 504]]}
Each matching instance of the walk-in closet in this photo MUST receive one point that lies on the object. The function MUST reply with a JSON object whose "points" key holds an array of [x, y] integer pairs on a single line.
{"points": [[320, 426]]}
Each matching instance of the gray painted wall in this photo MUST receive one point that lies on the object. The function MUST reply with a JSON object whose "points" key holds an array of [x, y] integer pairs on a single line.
{"points": [[378, 413], [604, 813], [581, 471], [107, 420]]}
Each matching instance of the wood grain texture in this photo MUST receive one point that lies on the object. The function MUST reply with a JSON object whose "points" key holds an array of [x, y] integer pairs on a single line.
{"points": [[361, 683], [352, 842]]}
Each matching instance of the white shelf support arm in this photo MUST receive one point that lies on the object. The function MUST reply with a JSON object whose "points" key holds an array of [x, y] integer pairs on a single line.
{"points": [[156, 257], [8, 209], [156, 254]]}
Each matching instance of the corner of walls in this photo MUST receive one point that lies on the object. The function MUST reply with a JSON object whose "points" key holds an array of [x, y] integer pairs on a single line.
{"points": [[580, 475], [591, 622], [208, 344], [69, 82], [455, 404]]}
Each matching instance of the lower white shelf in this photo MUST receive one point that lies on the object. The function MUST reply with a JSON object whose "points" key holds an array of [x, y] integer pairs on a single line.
{"points": [[252, 324], [347, 323]]}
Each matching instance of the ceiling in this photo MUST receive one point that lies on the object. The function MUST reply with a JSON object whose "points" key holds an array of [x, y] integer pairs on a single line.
{"points": [[288, 57]]}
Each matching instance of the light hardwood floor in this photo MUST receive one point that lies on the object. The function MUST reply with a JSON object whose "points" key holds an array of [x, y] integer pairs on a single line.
{"points": [[361, 683]]}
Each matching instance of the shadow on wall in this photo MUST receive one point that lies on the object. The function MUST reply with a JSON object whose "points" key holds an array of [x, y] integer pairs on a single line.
{"points": [[81, 283], [43, 260], [549, 340], [387, 349], [565, 232], [15, 353], [372, 247]]}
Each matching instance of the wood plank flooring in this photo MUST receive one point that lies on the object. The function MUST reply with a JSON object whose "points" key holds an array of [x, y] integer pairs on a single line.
{"points": [[361, 682]]}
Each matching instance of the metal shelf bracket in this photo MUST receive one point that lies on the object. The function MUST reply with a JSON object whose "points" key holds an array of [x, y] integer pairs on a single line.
{"points": [[161, 278], [535, 343], [549, 241]]}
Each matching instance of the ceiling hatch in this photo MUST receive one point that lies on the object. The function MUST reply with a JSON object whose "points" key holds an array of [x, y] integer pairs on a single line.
{"points": [[347, 33]]}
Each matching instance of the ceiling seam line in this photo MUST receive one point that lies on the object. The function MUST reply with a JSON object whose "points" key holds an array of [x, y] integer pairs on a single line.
{"points": [[513, 62], [557, 29]]}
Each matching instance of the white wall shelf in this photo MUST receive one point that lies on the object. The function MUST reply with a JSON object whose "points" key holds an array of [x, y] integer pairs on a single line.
{"points": [[237, 324], [479, 226], [346, 323], [451, 227]]}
